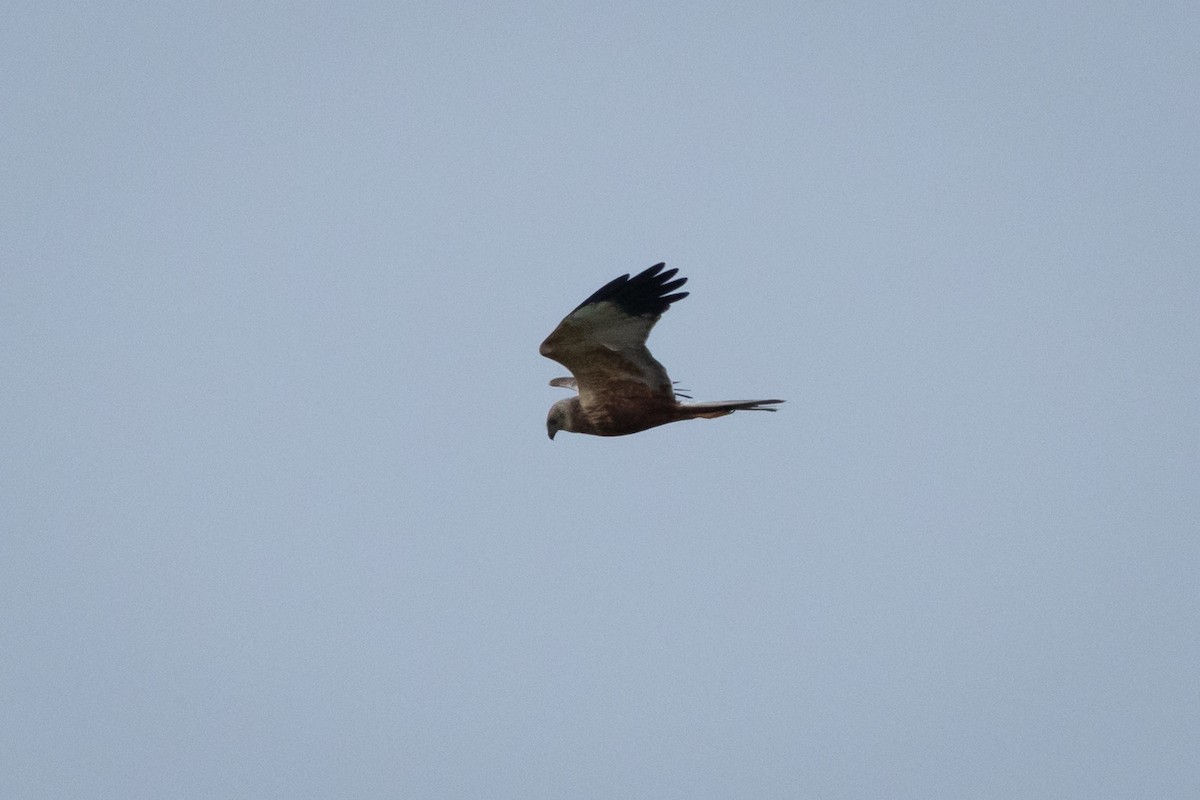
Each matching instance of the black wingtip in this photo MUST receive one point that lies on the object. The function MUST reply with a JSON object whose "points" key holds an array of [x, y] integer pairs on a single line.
{"points": [[645, 294]]}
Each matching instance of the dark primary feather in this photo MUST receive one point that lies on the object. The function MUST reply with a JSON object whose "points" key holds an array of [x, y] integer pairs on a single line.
{"points": [[645, 294]]}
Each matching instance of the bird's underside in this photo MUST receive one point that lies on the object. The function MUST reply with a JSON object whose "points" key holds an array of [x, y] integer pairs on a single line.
{"points": [[622, 388]]}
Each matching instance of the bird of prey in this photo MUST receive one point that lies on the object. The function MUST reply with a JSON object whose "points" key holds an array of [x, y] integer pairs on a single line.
{"points": [[622, 389]]}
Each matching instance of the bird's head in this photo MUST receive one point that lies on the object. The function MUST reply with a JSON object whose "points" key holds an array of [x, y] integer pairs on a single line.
{"points": [[559, 418], [556, 420]]}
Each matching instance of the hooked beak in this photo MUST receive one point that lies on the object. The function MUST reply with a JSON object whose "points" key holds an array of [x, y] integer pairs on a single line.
{"points": [[550, 432]]}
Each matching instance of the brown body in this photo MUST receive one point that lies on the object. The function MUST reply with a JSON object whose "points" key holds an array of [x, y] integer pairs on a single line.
{"points": [[621, 418], [622, 389]]}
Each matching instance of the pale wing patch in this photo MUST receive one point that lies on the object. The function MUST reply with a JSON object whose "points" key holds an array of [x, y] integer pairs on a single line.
{"points": [[607, 325]]}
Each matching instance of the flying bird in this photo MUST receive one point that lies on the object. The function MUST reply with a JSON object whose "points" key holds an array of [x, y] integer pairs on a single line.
{"points": [[621, 388]]}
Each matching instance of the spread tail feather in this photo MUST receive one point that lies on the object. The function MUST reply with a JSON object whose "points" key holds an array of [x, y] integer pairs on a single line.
{"points": [[723, 407]]}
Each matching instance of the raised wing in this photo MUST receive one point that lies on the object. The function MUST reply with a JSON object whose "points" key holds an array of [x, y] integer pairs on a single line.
{"points": [[603, 341]]}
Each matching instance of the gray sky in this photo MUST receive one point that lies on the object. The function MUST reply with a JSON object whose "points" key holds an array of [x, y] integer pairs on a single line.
{"points": [[280, 517]]}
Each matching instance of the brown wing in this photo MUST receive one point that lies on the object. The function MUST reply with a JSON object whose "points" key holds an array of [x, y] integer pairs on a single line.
{"points": [[603, 341]]}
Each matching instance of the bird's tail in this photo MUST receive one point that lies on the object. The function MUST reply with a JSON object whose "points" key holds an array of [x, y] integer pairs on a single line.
{"points": [[723, 407]]}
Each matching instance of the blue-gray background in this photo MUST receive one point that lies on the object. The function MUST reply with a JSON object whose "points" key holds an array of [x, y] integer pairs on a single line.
{"points": [[280, 518]]}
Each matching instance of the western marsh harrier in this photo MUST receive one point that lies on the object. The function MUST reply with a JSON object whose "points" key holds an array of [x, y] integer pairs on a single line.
{"points": [[622, 389]]}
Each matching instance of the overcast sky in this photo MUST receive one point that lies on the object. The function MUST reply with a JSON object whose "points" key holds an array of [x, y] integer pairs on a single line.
{"points": [[279, 514]]}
